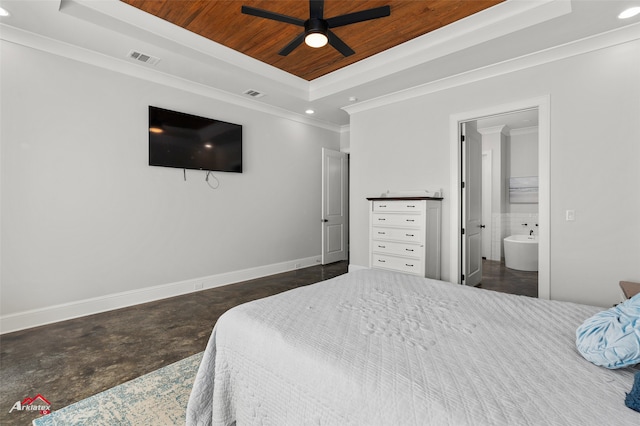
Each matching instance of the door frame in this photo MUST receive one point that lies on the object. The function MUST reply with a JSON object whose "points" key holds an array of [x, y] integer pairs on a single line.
{"points": [[487, 198], [542, 103]]}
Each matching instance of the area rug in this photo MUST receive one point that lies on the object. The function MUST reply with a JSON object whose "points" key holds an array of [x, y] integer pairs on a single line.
{"points": [[157, 398]]}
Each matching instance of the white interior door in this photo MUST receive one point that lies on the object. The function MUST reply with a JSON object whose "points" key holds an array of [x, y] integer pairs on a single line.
{"points": [[335, 185], [471, 204]]}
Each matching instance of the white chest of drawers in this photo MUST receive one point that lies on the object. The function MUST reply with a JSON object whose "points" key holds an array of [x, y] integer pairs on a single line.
{"points": [[404, 235]]}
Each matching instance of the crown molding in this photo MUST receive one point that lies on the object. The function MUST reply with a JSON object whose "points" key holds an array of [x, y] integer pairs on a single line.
{"points": [[128, 20], [123, 66], [504, 129], [499, 20], [589, 44], [523, 131]]}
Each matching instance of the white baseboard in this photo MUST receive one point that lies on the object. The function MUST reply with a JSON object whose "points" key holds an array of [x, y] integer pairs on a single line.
{"points": [[37, 317]]}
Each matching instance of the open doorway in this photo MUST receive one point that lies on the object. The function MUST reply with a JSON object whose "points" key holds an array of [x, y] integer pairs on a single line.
{"points": [[509, 194], [507, 220]]}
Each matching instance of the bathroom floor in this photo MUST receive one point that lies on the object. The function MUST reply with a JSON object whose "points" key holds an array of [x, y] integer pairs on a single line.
{"points": [[496, 276]]}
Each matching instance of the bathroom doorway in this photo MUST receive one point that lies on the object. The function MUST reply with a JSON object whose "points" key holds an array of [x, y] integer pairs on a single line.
{"points": [[508, 191]]}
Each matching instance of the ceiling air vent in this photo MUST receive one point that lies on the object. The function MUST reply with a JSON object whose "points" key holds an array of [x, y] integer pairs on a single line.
{"points": [[253, 93], [142, 57]]}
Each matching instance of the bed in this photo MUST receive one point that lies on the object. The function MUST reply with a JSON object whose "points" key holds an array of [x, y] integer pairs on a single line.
{"points": [[373, 347]]}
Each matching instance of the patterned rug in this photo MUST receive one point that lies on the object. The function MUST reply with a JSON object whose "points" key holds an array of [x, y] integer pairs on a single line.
{"points": [[157, 398]]}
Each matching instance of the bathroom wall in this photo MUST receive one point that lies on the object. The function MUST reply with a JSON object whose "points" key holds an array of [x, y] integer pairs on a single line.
{"points": [[514, 154], [523, 160]]}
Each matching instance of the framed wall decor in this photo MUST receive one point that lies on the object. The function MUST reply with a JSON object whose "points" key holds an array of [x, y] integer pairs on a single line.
{"points": [[523, 190]]}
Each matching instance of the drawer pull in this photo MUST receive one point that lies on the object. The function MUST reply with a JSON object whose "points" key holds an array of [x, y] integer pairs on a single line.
{"points": [[381, 232], [383, 206], [410, 266], [379, 246], [410, 235], [381, 261], [409, 249], [411, 220], [381, 218], [408, 205]]}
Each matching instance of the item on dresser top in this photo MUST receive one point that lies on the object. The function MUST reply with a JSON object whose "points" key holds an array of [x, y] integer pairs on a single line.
{"points": [[413, 193]]}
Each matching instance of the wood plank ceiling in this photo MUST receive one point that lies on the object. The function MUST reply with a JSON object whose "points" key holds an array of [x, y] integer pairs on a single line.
{"points": [[262, 39]]}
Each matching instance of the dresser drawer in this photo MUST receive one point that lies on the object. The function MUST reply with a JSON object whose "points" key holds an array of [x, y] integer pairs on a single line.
{"points": [[396, 234], [411, 266], [397, 206], [400, 249], [397, 219]]}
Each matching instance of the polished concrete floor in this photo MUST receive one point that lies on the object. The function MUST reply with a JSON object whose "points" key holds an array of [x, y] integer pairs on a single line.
{"points": [[496, 276], [72, 360]]}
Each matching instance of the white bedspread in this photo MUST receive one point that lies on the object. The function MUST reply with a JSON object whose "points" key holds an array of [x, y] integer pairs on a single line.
{"points": [[380, 348]]}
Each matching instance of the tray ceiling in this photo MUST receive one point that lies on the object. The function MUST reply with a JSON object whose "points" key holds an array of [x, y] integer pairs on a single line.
{"points": [[262, 39]]}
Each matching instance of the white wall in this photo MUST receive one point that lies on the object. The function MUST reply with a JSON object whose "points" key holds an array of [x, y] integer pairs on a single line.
{"points": [[523, 161], [85, 217], [594, 167]]}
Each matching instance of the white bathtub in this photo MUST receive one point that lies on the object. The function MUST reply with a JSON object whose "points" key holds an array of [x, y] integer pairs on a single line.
{"points": [[521, 252]]}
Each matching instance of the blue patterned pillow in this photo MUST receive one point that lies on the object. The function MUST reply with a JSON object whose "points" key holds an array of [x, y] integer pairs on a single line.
{"points": [[611, 338]]}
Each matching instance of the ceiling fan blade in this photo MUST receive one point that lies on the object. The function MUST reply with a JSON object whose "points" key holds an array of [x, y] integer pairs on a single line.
{"points": [[292, 45], [248, 10], [363, 15], [316, 8], [339, 45]]}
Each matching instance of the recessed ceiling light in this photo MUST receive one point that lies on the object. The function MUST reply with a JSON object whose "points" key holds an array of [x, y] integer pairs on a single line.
{"points": [[310, 111], [4, 12], [629, 13]]}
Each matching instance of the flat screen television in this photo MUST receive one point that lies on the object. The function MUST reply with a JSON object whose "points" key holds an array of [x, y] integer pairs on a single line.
{"points": [[187, 141]]}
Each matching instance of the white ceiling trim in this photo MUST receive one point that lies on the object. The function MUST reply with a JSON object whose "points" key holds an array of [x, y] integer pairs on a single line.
{"points": [[118, 16], [578, 47], [133, 69], [499, 20], [523, 131], [494, 129]]}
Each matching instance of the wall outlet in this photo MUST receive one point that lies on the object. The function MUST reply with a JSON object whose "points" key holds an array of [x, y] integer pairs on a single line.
{"points": [[297, 266], [570, 215], [198, 286]]}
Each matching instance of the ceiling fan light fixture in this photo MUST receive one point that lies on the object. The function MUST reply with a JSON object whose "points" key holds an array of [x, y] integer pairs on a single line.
{"points": [[316, 32], [316, 28], [316, 40]]}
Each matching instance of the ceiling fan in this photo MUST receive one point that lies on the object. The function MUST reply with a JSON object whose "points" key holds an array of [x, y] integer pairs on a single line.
{"points": [[317, 31]]}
